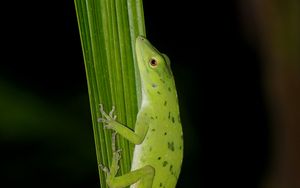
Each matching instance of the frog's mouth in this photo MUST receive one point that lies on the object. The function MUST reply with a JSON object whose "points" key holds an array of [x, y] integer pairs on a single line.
{"points": [[143, 48]]}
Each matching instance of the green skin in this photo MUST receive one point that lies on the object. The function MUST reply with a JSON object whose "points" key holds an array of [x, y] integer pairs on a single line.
{"points": [[157, 136]]}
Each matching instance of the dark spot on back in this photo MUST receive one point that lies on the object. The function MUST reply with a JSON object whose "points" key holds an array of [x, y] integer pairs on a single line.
{"points": [[171, 167], [158, 92], [159, 158], [156, 117], [171, 146], [165, 133], [165, 103], [153, 130], [152, 117], [154, 85], [160, 184], [150, 148], [169, 116], [173, 119], [169, 89], [165, 163]]}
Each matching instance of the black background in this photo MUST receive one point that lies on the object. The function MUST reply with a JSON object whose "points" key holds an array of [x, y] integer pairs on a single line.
{"points": [[47, 138]]}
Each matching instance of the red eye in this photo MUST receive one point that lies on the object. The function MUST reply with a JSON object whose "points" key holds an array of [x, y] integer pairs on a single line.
{"points": [[153, 62]]}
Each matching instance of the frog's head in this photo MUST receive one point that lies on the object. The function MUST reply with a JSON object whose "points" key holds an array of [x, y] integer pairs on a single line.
{"points": [[154, 67]]}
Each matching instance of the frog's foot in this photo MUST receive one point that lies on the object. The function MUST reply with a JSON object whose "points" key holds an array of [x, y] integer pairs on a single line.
{"points": [[104, 169], [108, 119]]}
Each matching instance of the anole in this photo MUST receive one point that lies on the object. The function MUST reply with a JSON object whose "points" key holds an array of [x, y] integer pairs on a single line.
{"points": [[157, 135]]}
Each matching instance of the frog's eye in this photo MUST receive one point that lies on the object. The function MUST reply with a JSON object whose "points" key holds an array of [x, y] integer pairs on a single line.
{"points": [[153, 62]]}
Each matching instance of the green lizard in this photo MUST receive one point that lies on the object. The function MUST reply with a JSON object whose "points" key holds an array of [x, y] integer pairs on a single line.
{"points": [[158, 135]]}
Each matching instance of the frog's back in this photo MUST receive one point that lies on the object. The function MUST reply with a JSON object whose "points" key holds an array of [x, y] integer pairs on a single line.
{"points": [[163, 144]]}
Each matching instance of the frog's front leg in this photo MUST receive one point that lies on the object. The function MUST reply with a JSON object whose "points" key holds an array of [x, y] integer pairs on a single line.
{"points": [[136, 137]]}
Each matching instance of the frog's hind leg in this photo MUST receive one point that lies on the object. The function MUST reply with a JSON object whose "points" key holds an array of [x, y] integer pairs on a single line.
{"points": [[113, 170], [143, 175]]}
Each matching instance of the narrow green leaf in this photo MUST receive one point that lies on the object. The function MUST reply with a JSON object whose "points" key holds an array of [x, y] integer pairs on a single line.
{"points": [[108, 29]]}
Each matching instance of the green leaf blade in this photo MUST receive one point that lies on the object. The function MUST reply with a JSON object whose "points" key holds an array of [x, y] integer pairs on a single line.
{"points": [[108, 29]]}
